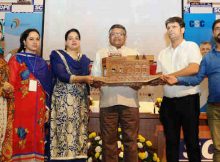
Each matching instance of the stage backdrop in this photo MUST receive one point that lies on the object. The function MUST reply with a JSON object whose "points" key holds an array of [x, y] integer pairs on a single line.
{"points": [[144, 20]]}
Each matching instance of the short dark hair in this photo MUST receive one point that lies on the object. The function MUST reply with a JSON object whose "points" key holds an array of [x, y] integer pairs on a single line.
{"points": [[117, 26], [179, 20], [70, 31], [206, 42], [215, 22]]}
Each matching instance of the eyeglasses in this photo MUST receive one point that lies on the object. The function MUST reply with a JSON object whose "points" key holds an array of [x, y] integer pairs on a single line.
{"points": [[117, 34]]}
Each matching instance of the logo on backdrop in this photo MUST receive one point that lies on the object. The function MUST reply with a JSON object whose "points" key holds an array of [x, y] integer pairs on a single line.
{"points": [[197, 23], [216, 10], [15, 23], [5, 8], [38, 8], [206, 146]]}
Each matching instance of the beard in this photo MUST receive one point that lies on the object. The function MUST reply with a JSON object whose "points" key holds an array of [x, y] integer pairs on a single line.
{"points": [[217, 38]]}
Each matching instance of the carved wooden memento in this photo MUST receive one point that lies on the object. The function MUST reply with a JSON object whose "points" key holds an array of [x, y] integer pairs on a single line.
{"points": [[125, 70]]}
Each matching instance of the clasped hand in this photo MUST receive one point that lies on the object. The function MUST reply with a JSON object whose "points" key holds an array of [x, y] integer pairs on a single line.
{"points": [[169, 79]]}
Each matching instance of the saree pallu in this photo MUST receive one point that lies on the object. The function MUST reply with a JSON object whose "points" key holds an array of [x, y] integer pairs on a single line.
{"points": [[25, 129]]}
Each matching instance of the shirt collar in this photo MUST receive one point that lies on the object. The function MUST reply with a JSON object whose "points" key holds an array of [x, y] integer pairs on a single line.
{"points": [[215, 51], [179, 46], [114, 48]]}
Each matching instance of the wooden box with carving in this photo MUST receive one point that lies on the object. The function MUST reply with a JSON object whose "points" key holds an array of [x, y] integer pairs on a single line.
{"points": [[126, 70]]}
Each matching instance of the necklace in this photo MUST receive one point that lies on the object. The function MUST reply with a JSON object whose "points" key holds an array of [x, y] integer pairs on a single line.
{"points": [[75, 57]]}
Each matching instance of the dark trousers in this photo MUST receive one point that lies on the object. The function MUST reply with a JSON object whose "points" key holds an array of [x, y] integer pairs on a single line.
{"points": [[174, 114], [128, 119]]}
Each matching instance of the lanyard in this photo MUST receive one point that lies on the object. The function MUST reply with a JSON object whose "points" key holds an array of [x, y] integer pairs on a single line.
{"points": [[32, 66]]}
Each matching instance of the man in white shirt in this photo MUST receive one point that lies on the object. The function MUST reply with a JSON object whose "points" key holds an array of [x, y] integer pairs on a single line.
{"points": [[180, 106], [118, 104]]}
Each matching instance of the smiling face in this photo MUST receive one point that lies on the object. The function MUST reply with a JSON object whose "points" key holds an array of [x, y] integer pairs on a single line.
{"points": [[117, 37], [32, 43], [73, 42]]}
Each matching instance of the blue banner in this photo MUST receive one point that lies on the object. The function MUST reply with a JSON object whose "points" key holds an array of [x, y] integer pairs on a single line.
{"points": [[16, 23], [199, 27]]}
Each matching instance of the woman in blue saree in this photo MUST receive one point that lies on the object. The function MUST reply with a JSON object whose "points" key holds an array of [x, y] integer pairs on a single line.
{"points": [[69, 108]]}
